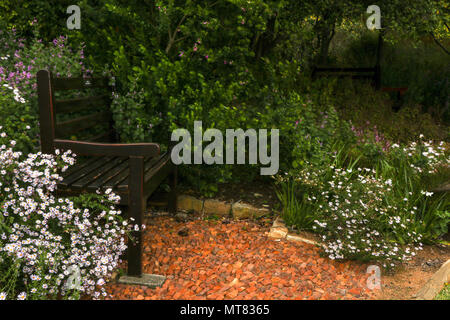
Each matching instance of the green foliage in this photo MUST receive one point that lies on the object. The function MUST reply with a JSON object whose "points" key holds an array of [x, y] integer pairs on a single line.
{"points": [[419, 66], [18, 67], [444, 294], [229, 63], [296, 210], [240, 64], [371, 112], [16, 119]]}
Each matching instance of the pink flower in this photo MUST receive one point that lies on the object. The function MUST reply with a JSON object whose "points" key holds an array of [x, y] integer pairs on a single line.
{"points": [[206, 56]]}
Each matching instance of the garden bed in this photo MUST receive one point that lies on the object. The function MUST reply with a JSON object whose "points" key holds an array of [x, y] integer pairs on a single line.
{"points": [[258, 193], [407, 280], [215, 259], [226, 259]]}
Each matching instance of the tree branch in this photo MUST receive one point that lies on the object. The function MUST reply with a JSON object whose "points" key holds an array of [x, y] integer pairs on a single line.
{"points": [[173, 35], [439, 44]]}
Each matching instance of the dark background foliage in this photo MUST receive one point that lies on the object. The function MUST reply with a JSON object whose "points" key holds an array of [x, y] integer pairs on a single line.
{"points": [[234, 64]]}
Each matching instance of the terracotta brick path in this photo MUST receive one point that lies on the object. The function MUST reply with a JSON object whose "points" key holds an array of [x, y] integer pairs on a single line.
{"points": [[236, 260]]}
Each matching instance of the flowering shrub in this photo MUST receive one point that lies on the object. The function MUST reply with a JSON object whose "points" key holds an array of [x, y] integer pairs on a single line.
{"points": [[382, 213], [367, 135], [415, 169], [48, 244], [354, 218], [19, 63]]}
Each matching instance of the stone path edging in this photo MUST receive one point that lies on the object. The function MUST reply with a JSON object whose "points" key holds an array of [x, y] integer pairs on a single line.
{"points": [[435, 284], [279, 231], [237, 210]]}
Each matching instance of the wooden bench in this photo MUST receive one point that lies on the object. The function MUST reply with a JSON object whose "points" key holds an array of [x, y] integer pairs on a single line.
{"points": [[372, 74], [133, 170], [400, 91]]}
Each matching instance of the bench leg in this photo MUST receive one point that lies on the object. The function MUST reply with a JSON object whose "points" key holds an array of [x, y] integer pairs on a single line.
{"points": [[136, 211], [172, 203]]}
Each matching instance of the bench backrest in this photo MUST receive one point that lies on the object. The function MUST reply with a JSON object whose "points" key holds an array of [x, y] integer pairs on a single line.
{"points": [[89, 117], [372, 74]]}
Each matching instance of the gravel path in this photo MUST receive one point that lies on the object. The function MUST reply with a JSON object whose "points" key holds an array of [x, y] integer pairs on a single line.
{"points": [[236, 260]]}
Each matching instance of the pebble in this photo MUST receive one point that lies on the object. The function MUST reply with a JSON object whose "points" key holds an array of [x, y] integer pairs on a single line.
{"points": [[211, 260]]}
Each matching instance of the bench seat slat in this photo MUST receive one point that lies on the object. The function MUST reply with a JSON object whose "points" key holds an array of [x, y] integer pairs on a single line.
{"points": [[149, 164], [120, 181], [101, 182], [94, 175], [78, 166], [162, 161], [78, 174], [156, 175], [118, 174]]}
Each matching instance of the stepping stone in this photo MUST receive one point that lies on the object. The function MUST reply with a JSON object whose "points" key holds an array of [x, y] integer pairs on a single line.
{"points": [[245, 211], [150, 280]]}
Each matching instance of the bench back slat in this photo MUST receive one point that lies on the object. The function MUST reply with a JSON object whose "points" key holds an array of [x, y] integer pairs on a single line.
{"points": [[371, 73], [76, 125], [86, 118], [331, 69], [81, 104], [79, 83], [104, 136]]}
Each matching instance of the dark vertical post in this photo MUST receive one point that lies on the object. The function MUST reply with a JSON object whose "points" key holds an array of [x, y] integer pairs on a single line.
{"points": [[313, 75], [136, 208], [112, 90], [46, 115], [377, 76], [172, 203]]}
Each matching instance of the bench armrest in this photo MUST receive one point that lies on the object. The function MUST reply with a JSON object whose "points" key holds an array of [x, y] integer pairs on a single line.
{"points": [[109, 149]]}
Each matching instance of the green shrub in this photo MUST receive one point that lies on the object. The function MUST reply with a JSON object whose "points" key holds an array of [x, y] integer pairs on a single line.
{"points": [[370, 110], [444, 294], [419, 65]]}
